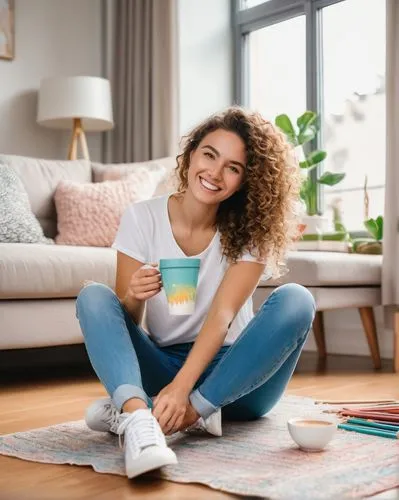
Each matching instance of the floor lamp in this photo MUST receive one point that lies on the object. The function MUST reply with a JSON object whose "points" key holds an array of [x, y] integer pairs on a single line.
{"points": [[82, 103]]}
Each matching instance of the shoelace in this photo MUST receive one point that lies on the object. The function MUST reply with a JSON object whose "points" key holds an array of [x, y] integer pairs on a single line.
{"points": [[111, 416], [143, 435]]}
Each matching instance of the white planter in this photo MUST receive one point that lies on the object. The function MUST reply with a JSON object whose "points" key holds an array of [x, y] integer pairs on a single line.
{"points": [[315, 224]]}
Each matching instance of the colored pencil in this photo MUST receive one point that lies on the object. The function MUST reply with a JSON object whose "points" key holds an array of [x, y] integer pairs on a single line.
{"points": [[371, 423], [384, 409], [354, 401], [395, 424], [372, 432], [372, 415]]}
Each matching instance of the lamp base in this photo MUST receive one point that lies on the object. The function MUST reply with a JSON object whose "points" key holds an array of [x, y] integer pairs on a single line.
{"points": [[78, 134]]}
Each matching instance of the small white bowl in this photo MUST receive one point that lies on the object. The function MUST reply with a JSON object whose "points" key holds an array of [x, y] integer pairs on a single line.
{"points": [[311, 434]]}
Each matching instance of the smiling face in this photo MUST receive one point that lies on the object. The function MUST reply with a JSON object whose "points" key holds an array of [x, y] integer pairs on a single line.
{"points": [[217, 167]]}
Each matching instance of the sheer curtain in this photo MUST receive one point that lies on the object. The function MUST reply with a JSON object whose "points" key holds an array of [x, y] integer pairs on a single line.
{"points": [[141, 63], [390, 266]]}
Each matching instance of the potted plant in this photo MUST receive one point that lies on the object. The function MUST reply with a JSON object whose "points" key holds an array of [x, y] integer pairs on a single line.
{"points": [[307, 127], [372, 244]]}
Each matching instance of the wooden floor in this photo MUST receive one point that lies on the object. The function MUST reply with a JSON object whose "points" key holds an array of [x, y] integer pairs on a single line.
{"points": [[41, 398]]}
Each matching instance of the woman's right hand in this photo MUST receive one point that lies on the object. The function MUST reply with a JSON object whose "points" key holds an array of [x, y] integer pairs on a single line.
{"points": [[144, 283]]}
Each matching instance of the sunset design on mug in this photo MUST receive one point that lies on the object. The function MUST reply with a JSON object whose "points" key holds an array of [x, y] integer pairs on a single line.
{"points": [[182, 294]]}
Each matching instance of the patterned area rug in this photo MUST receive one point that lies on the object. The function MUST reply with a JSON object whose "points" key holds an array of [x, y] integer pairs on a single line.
{"points": [[253, 458]]}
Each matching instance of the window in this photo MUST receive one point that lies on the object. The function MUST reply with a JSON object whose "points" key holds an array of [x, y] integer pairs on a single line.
{"points": [[353, 54], [327, 56], [247, 4], [276, 87]]}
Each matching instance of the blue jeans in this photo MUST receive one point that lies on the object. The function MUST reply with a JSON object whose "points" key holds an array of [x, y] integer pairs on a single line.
{"points": [[245, 379]]}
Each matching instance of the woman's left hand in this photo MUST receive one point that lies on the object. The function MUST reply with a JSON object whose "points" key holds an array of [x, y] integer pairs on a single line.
{"points": [[170, 407]]}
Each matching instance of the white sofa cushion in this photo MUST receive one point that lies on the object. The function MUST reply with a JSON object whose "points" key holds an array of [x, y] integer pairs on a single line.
{"points": [[30, 271], [45, 271], [38, 323], [330, 269], [331, 298]]}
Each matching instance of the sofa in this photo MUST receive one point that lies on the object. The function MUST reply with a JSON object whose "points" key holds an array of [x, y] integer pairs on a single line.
{"points": [[39, 282]]}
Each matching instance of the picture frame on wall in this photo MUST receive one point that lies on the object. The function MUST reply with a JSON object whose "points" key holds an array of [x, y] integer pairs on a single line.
{"points": [[7, 30]]}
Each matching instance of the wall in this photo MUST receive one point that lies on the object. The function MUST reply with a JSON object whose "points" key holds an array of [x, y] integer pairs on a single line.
{"points": [[52, 38], [205, 59]]}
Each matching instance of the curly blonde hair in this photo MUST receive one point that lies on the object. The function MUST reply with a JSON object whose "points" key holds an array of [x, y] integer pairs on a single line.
{"points": [[260, 218]]}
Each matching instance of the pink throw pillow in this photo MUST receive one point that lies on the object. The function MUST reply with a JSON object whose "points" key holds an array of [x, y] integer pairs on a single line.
{"points": [[89, 214]]}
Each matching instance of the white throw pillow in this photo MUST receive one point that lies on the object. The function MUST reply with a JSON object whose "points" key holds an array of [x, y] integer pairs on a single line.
{"points": [[17, 222]]}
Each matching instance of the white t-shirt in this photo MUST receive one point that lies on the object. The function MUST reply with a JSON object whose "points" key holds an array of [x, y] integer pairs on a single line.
{"points": [[145, 234]]}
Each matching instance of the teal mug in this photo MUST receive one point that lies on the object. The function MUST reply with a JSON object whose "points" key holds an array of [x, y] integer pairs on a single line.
{"points": [[179, 279]]}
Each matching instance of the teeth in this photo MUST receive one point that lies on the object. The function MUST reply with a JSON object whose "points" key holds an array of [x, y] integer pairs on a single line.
{"points": [[208, 185]]}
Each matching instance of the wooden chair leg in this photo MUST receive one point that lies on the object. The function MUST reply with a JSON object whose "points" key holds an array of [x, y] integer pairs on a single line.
{"points": [[396, 343], [368, 320], [319, 334]]}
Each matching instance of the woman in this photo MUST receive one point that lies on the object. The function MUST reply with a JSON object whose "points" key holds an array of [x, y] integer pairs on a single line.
{"points": [[235, 210]]}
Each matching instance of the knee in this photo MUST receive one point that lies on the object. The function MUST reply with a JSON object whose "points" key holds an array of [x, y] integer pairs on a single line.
{"points": [[94, 298], [297, 303]]}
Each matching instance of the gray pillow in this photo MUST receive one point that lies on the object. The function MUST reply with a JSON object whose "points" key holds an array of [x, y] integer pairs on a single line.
{"points": [[17, 222]]}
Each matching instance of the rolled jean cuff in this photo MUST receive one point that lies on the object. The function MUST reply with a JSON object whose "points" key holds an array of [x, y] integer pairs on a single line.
{"points": [[128, 391], [201, 405]]}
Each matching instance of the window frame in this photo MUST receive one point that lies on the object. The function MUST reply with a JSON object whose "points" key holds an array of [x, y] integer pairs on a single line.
{"points": [[272, 12]]}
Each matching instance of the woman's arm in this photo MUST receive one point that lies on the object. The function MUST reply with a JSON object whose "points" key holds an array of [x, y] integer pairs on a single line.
{"points": [[125, 267], [237, 286]]}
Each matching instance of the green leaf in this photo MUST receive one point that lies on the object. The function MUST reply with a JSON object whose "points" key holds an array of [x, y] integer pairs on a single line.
{"points": [[285, 124], [306, 136], [330, 179], [315, 157], [372, 227], [375, 227], [308, 132], [380, 223], [305, 120]]}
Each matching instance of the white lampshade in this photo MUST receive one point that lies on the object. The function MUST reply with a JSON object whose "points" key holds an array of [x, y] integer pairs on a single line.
{"points": [[62, 99]]}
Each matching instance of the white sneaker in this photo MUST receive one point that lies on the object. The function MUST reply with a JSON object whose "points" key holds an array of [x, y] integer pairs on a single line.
{"points": [[102, 416], [144, 443], [211, 425]]}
